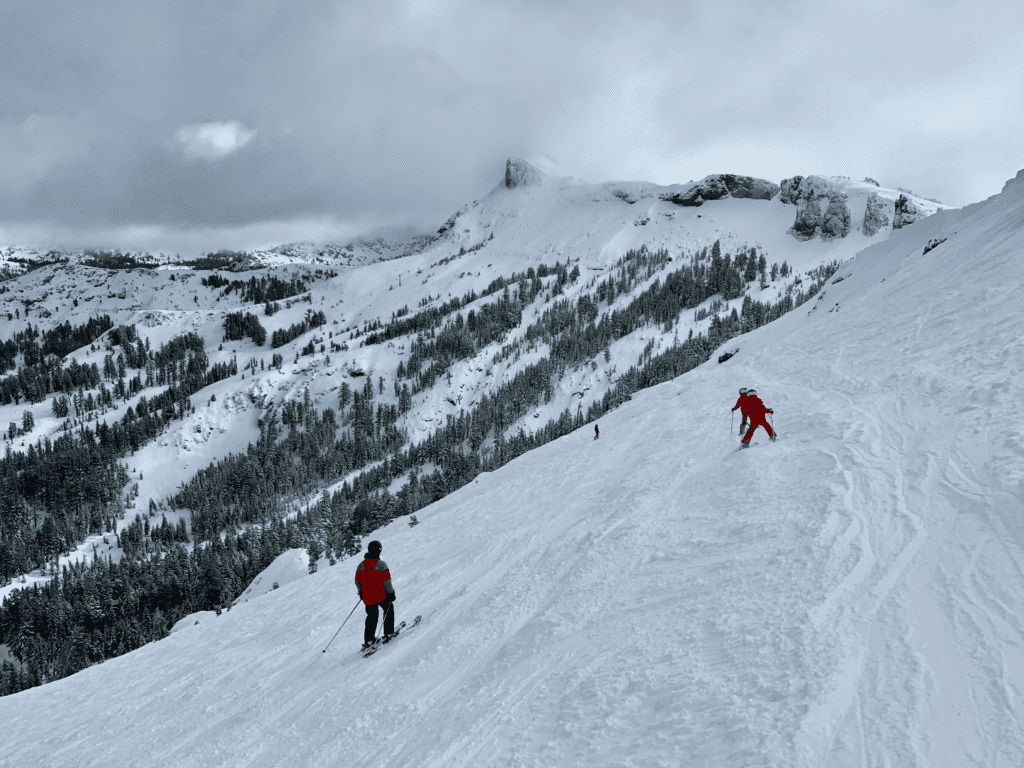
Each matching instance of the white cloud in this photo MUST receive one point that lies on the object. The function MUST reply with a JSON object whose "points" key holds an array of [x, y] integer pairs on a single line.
{"points": [[212, 141]]}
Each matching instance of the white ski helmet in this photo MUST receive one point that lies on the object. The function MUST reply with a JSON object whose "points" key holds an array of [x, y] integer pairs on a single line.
{"points": [[751, 392], [743, 390]]}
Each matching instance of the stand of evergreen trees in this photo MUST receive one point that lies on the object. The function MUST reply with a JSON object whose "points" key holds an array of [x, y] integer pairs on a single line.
{"points": [[39, 518], [284, 335], [238, 325], [41, 372]]}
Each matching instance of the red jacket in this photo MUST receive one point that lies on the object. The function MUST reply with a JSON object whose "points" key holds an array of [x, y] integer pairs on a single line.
{"points": [[743, 406], [373, 581], [756, 408]]}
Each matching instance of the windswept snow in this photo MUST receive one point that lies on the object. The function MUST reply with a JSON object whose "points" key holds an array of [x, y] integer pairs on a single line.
{"points": [[852, 595]]}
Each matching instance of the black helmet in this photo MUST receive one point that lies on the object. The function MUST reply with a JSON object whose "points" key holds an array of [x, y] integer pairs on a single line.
{"points": [[373, 548], [743, 390]]}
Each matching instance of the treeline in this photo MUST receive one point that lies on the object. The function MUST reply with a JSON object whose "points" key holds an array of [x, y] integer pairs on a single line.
{"points": [[42, 373], [252, 486], [115, 260], [221, 259], [60, 341], [238, 325], [460, 339], [264, 289], [101, 609], [431, 318], [312, 320], [39, 518]]}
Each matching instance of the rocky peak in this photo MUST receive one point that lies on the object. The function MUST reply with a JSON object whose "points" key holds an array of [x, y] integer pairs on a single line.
{"points": [[722, 185], [876, 215], [519, 173], [836, 221], [906, 213], [799, 188], [808, 218], [1016, 181]]}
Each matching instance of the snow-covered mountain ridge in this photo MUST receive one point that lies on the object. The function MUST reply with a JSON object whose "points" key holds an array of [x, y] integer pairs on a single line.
{"points": [[850, 595], [515, 228]]}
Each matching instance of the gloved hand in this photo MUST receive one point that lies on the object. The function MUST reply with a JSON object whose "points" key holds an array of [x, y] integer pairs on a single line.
{"points": [[392, 597]]}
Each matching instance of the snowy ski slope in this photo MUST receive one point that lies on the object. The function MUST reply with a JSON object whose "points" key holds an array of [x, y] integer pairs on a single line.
{"points": [[852, 595]]}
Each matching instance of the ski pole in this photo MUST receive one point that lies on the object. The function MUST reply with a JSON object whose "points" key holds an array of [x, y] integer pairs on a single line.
{"points": [[342, 625], [732, 421]]}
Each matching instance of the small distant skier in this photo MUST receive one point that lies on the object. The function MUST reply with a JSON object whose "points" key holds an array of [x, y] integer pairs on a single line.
{"points": [[741, 403], [373, 583], [756, 411], [597, 432]]}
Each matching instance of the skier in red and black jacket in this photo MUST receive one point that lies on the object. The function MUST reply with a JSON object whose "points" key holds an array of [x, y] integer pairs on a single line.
{"points": [[741, 403], [373, 582], [756, 411]]}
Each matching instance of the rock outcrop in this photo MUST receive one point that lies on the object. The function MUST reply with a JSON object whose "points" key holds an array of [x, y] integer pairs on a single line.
{"points": [[790, 190], [876, 215], [723, 185], [836, 221], [808, 219], [800, 187], [519, 173], [906, 213]]}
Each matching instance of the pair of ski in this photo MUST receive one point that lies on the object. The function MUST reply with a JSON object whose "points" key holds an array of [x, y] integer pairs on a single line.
{"points": [[747, 445], [380, 642]]}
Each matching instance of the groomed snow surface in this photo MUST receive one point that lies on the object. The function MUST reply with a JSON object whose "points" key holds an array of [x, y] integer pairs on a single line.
{"points": [[852, 595]]}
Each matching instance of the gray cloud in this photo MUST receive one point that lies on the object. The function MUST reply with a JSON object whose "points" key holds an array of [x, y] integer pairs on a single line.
{"points": [[226, 120]]}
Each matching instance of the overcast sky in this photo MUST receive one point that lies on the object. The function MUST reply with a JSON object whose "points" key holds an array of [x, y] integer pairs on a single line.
{"points": [[192, 126]]}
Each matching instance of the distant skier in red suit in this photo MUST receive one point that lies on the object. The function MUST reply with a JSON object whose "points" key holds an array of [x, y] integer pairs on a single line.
{"points": [[756, 411], [741, 403], [597, 432]]}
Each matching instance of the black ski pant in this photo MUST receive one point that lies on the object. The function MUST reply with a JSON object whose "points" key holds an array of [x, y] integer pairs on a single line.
{"points": [[371, 619]]}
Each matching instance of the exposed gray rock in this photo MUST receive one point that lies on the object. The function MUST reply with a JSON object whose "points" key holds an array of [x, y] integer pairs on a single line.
{"points": [[869, 180], [800, 187], [790, 190], [906, 213], [808, 219], [519, 173], [448, 225], [836, 222], [1018, 179], [723, 185], [876, 215], [749, 188]]}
